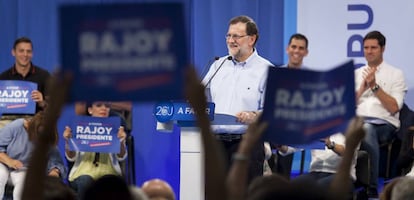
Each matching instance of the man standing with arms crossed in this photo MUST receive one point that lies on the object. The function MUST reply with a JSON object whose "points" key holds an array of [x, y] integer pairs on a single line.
{"points": [[24, 70], [237, 85], [380, 91]]}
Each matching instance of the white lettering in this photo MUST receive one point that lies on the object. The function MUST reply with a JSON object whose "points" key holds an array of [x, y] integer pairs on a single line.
{"points": [[13, 93], [93, 130]]}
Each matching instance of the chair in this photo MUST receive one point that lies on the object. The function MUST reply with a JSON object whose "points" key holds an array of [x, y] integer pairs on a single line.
{"points": [[362, 175], [391, 150], [388, 149]]}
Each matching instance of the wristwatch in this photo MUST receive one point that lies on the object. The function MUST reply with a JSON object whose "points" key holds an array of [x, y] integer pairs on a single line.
{"points": [[331, 145], [375, 88]]}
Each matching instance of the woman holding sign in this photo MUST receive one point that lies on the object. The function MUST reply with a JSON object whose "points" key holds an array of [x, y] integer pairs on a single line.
{"points": [[89, 166]]}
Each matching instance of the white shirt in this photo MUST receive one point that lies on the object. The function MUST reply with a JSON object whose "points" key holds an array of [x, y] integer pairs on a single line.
{"points": [[391, 80], [327, 160], [237, 87]]}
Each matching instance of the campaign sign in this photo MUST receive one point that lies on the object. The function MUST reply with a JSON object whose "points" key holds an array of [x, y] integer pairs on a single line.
{"points": [[15, 97], [95, 134], [302, 106], [124, 51], [179, 111]]}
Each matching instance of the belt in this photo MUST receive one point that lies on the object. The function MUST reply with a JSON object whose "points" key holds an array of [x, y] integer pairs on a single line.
{"points": [[228, 137]]}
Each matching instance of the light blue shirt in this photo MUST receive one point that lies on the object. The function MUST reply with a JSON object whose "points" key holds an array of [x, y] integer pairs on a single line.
{"points": [[14, 140], [237, 87]]}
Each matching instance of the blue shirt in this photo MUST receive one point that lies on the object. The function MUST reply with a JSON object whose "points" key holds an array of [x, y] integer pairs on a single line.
{"points": [[237, 87], [14, 141]]}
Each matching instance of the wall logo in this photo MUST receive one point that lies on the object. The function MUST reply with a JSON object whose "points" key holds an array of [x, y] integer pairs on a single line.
{"points": [[164, 111]]}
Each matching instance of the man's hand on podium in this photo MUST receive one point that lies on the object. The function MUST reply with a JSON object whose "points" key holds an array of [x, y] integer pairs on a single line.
{"points": [[247, 117]]}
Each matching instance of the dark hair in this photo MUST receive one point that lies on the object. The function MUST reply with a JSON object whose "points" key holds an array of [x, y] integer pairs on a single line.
{"points": [[299, 36], [277, 187], [377, 36], [251, 27], [55, 189], [36, 127], [108, 187], [22, 40]]}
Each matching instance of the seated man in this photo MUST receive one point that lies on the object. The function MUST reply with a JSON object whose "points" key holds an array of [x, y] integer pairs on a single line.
{"points": [[324, 162], [380, 90]]}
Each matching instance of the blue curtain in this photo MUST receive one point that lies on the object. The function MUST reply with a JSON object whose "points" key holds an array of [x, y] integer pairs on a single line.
{"points": [[156, 154]]}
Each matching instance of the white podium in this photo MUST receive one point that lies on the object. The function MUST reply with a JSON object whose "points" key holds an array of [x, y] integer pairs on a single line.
{"points": [[191, 165], [191, 161], [192, 186]]}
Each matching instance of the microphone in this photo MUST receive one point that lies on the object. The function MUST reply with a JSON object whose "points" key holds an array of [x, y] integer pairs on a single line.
{"points": [[207, 66], [221, 64]]}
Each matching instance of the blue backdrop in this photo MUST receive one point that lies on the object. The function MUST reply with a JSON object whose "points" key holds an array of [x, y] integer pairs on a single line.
{"points": [[156, 154]]}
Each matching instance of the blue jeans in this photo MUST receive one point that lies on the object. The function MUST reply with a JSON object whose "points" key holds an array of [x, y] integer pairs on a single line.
{"points": [[376, 134], [80, 184]]}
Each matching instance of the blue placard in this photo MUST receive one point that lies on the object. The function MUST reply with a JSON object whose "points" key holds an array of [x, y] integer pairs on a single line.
{"points": [[302, 106], [95, 134], [124, 51], [15, 97], [179, 111]]}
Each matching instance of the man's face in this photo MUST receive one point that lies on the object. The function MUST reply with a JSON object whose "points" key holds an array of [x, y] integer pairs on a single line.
{"points": [[296, 51], [373, 52], [23, 54], [239, 44]]}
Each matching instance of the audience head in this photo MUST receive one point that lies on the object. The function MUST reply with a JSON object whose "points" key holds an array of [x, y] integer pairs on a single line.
{"points": [[403, 189], [277, 187], [108, 187], [137, 193], [35, 127], [55, 189], [98, 108], [157, 189]]}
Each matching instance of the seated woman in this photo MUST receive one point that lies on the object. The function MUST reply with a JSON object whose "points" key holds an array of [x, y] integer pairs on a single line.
{"points": [[89, 166], [16, 144]]}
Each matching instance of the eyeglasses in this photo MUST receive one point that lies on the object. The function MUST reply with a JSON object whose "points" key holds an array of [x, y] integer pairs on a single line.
{"points": [[235, 37], [100, 104]]}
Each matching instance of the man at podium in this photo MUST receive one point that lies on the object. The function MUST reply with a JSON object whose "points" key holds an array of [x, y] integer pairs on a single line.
{"points": [[236, 84]]}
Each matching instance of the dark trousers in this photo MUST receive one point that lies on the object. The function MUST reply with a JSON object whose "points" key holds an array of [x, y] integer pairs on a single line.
{"points": [[80, 184], [256, 158], [283, 165]]}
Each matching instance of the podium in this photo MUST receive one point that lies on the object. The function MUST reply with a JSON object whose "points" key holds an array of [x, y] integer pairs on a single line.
{"points": [[192, 184], [191, 160]]}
